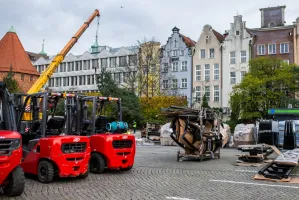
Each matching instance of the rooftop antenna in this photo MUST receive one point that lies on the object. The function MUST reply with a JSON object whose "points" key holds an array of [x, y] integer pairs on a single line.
{"points": [[237, 12]]}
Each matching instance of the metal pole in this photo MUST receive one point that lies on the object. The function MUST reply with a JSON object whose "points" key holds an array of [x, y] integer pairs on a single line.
{"points": [[44, 117], [94, 105], [120, 110]]}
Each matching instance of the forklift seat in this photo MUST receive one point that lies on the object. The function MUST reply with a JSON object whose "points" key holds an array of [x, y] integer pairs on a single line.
{"points": [[100, 124], [35, 126], [55, 125]]}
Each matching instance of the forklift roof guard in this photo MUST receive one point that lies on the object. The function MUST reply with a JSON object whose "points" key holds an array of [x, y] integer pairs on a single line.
{"points": [[45, 96], [97, 99]]}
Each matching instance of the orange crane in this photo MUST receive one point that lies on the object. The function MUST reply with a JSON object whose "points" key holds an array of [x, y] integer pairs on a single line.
{"points": [[44, 77]]}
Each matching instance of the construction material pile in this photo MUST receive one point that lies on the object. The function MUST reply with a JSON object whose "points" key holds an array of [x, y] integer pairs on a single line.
{"points": [[196, 131], [245, 134]]}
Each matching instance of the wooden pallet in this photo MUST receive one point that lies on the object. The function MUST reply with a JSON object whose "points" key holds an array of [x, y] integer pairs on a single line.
{"points": [[284, 180]]}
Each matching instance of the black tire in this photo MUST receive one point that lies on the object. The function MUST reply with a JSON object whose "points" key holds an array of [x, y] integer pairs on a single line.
{"points": [[16, 183], [97, 164], [84, 176], [46, 171], [127, 169]]}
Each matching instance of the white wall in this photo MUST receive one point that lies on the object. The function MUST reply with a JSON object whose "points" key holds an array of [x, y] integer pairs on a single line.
{"points": [[237, 43]]}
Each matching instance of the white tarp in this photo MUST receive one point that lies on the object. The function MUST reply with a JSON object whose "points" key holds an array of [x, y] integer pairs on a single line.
{"points": [[244, 133], [225, 132], [166, 130]]}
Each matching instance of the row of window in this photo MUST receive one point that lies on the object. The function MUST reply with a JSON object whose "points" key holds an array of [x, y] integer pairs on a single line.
{"points": [[211, 53], [207, 72], [119, 77], [23, 77], [272, 49], [174, 84], [91, 64], [176, 53], [72, 81], [123, 77], [243, 57], [175, 66], [233, 79], [207, 92]]}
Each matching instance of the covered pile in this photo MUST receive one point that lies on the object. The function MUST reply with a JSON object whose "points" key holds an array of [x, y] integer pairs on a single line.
{"points": [[197, 131]]}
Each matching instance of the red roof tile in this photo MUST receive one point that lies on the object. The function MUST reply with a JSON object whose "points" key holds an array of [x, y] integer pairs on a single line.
{"points": [[189, 42], [12, 53], [218, 36]]}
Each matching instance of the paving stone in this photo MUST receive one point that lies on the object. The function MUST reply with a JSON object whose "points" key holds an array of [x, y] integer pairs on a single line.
{"points": [[157, 175]]}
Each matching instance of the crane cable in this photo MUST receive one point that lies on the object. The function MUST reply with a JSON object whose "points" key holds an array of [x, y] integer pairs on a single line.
{"points": [[98, 23]]}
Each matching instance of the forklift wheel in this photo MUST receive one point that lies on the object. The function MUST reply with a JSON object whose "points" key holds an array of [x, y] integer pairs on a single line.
{"points": [[45, 171], [127, 169], [97, 163], [16, 183]]}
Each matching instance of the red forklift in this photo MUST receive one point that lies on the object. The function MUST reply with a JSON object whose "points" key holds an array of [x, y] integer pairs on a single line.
{"points": [[111, 147], [47, 151], [12, 180]]}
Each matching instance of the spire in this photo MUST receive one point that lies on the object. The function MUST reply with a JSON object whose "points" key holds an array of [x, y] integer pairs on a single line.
{"points": [[95, 46], [12, 30], [43, 45]]}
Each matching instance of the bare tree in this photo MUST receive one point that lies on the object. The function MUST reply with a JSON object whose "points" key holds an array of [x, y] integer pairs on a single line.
{"points": [[148, 75], [140, 70]]}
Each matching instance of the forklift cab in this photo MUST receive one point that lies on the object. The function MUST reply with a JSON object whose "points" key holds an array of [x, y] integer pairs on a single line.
{"points": [[12, 180], [45, 149], [48, 125], [111, 149], [95, 122]]}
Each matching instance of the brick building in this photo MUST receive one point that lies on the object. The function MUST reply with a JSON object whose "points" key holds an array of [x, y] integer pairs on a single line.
{"points": [[12, 54], [274, 38]]}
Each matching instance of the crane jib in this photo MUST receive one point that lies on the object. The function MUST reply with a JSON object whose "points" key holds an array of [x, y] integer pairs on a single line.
{"points": [[46, 75]]}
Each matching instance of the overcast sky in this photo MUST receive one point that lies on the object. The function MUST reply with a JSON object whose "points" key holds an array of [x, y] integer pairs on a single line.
{"points": [[57, 21]]}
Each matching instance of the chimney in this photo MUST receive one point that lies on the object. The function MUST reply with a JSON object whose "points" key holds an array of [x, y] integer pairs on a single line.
{"points": [[272, 16]]}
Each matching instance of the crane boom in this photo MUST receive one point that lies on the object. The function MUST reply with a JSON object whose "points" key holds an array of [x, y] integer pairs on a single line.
{"points": [[44, 77]]}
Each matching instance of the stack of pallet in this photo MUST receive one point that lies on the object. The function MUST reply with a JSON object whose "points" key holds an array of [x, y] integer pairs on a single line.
{"points": [[196, 131]]}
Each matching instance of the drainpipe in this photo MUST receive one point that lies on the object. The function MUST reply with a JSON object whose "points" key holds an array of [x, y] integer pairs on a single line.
{"points": [[191, 89], [221, 75]]}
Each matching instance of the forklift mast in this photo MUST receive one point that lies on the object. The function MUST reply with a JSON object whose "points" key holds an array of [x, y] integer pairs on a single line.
{"points": [[8, 121]]}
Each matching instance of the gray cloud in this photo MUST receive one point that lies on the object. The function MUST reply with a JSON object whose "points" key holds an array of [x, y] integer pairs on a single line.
{"points": [[58, 20]]}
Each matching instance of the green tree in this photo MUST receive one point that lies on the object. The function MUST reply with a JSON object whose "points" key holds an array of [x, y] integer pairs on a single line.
{"points": [[130, 103], [11, 83], [263, 87], [105, 83], [205, 103]]}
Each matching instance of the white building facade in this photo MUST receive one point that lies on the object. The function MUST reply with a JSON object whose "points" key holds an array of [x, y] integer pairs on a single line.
{"points": [[207, 65], [236, 54], [78, 73]]}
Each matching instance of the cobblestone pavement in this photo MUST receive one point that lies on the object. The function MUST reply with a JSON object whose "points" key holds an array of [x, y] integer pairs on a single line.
{"points": [[157, 175]]}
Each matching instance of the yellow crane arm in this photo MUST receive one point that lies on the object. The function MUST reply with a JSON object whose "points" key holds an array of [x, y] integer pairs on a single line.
{"points": [[44, 77]]}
